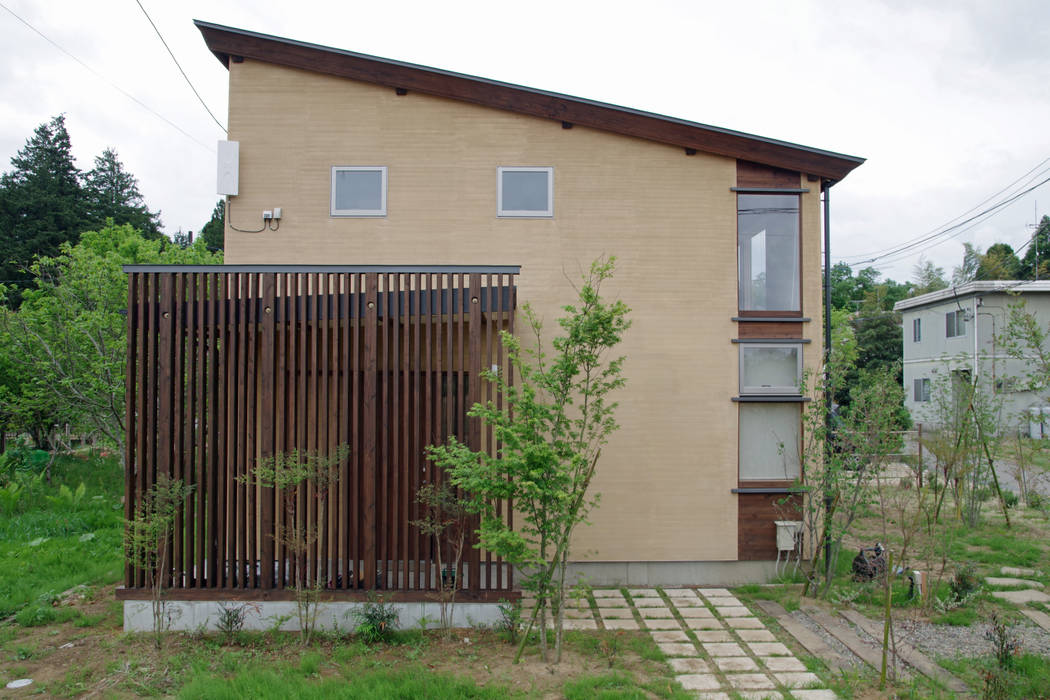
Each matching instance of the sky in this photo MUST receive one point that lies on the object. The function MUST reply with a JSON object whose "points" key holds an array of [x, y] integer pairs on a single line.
{"points": [[948, 101]]}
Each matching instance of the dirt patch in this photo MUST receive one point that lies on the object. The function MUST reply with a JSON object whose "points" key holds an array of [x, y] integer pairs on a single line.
{"points": [[69, 661]]}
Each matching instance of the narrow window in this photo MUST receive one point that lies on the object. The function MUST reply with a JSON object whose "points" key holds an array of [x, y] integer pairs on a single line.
{"points": [[955, 324], [768, 252], [916, 330], [921, 388], [770, 368], [359, 190], [525, 192], [769, 441]]}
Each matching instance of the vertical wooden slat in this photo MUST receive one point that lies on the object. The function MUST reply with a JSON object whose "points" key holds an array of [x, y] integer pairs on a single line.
{"points": [[229, 358], [343, 364], [216, 428], [394, 462], [508, 367], [418, 444], [177, 407], [321, 325], [368, 465], [474, 380], [487, 389], [200, 411], [301, 439], [249, 515], [131, 418], [188, 331], [268, 405], [166, 404]]}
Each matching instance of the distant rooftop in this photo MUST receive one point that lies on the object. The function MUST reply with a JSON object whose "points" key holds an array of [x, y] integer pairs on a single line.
{"points": [[972, 288]]}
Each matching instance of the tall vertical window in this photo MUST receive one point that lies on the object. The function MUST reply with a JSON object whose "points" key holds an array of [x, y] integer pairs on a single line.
{"points": [[916, 330], [768, 252], [954, 324]]}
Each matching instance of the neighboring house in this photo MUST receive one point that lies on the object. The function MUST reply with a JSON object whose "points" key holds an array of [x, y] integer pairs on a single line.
{"points": [[951, 334], [717, 236]]}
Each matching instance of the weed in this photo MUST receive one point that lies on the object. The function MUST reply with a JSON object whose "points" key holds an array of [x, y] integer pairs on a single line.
{"points": [[611, 685], [509, 625], [1004, 642], [310, 664], [231, 618], [964, 583], [376, 620]]}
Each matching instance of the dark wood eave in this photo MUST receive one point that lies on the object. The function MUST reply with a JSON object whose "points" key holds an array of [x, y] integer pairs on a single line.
{"points": [[226, 42]]}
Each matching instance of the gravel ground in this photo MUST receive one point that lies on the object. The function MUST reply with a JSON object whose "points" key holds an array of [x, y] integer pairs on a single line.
{"points": [[936, 641]]}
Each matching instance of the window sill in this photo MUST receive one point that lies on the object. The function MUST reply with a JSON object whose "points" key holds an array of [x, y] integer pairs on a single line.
{"points": [[769, 489], [771, 398]]}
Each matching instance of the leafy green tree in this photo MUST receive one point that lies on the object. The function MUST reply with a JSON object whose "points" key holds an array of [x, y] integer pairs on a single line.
{"points": [[67, 341], [41, 204], [927, 277], [112, 192], [551, 427], [1037, 257], [967, 271], [214, 232], [999, 262]]}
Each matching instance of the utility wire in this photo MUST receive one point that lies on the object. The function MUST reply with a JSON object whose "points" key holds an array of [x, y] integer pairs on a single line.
{"points": [[177, 65], [933, 232], [106, 80]]}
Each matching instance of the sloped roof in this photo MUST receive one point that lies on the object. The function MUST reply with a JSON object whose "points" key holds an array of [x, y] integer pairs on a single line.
{"points": [[230, 42]]}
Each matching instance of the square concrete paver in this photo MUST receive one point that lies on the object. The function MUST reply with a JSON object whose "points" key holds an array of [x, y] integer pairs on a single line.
{"points": [[678, 649], [672, 636], [745, 623], [580, 625], [607, 593], [578, 614], [616, 612], [698, 681], [769, 649], [655, 612], [783, 664], [703, 623], [643, 592], [746, 681], [756, 635], [695, 612], [621, 624], [735, 663], [734, 611], [689, 665], [1022, 597], [723, 649], [821, 694], [797, 680], [713, 635], [685, 602], [712, 696], [650, 603], [717, 592], [663, 624], [759, 695], [723, 601]]}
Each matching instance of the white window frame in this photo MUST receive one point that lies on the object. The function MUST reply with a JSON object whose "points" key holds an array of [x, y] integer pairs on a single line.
{"points": [[360, 212], [793, 390], [524, 213]]}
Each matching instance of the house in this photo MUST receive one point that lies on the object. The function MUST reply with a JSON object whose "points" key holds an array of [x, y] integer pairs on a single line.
{"points": [[401, 168], [954, 337]]}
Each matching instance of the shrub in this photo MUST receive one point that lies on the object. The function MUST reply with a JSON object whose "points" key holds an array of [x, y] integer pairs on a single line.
{"points": [[1004, 642], [964, 583], [509, 626], [376, 620], [1010, 499]]}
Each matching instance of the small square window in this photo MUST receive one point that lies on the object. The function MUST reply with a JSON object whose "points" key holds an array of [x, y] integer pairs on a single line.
{"points": [[770, 368], [358, 190], [955, 324], [526, 192]]}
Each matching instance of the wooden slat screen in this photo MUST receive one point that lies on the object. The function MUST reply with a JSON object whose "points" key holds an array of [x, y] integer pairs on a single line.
{"points": [[228, 367]]}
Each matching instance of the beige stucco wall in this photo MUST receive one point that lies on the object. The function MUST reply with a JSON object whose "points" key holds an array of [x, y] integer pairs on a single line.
{"points": [[670, 219]]}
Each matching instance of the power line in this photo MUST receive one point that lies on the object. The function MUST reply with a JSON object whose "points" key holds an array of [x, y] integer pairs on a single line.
{"points": [[107, 80], [177, 65], [945, 234]]}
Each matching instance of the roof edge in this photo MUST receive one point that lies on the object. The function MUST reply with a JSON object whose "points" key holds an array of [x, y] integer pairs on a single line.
{"points": [[972, 288], [225, 41]]}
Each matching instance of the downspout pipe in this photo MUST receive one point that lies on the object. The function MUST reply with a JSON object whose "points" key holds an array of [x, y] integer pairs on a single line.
{"points": [[825, 187]]}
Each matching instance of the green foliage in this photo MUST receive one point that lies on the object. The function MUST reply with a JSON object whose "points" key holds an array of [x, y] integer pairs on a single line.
{"points": [[551, 425], [446, 518], [927, 277], [611, 686], [964, 582], [41, 204], [213, 233], [46, 547], [261, 684], [509, 625], [67, 342], [1037, 255], [376, 620], [111, 192]]}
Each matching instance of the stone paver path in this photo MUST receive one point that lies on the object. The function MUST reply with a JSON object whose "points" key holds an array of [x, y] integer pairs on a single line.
{"points": [[714, 643]]}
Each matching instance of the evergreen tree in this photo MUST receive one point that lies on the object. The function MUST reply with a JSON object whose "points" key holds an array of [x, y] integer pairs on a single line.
{"points": [[1037, 257], [41, 204], [214, 232], [113, 193]]}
